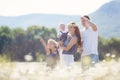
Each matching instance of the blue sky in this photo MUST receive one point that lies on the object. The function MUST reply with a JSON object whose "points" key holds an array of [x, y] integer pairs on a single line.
{"points": [[69, 7]]}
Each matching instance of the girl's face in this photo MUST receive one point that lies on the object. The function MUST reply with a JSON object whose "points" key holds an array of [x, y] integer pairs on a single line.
{"points": [[71, 29], [50, 45]]}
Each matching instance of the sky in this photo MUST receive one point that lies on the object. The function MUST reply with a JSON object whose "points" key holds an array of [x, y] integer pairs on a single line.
{"points": [[66, 7]]}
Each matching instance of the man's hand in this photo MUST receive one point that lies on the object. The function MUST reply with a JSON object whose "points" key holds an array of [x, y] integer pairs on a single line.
{"points": [[89, 23]]}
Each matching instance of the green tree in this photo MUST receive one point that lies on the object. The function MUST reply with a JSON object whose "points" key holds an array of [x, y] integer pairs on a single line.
{"points": [[5, 37]]}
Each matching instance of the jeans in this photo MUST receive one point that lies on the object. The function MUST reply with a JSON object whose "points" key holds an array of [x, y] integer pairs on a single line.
{"points": [[89, 60]]}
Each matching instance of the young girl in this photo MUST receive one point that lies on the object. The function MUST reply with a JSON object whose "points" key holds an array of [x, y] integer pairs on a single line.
{"points": [[52, 55]]}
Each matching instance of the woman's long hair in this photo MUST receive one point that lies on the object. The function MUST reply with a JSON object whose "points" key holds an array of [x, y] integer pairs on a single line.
{"points": [[77, 32]]}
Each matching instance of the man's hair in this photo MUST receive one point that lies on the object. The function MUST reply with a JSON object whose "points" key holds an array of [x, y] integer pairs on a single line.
{"points": [[86, 16]]}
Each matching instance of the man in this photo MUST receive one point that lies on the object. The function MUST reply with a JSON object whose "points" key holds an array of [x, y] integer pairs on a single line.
{"points": [[89, 43]]}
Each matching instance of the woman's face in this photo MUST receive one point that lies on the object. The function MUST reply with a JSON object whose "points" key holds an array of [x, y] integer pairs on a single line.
{"points": [[71, 29], [50, 45]]}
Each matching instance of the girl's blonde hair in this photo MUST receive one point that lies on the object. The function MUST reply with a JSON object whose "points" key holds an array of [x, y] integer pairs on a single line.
{"points": [[53, 41]]}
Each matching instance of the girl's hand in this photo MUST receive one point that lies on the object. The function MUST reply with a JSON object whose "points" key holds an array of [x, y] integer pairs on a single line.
{"points": [[41, 39]]}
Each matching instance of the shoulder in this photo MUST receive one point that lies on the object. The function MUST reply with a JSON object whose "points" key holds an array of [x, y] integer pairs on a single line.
{"points": [[96, 31], [74, 38]]}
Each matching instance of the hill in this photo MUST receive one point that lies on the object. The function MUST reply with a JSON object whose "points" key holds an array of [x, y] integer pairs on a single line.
{"points": [[106, 17]]}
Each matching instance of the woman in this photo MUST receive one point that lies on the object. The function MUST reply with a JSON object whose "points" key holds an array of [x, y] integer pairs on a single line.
{"points": [[52, 55], [71, 44]]}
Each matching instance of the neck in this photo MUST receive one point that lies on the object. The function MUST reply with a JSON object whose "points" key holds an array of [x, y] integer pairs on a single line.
{"points": [[72, 34], [62, 30], [52, 50], [86, 27]]}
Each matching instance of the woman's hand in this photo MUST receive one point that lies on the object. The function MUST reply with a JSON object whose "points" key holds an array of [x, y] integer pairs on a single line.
{"points": [[80, 50], [64, 48], [60, 43]]}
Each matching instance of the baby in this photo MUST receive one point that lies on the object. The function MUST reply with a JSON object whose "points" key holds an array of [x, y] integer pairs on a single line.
{"points": [[62, 35]]}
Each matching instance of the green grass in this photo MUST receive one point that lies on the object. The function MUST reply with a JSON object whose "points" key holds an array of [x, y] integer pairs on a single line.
{"points": [[5, 58]]}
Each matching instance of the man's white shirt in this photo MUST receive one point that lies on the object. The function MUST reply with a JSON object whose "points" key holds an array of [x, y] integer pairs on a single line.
{"points": [[90, 41]]}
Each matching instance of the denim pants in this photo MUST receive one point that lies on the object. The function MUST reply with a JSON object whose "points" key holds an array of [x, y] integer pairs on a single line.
{"points": [[89, 60]]}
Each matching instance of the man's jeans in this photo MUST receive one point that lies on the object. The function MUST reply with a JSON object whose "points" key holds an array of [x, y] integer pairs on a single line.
{"points": [[89, 60]]}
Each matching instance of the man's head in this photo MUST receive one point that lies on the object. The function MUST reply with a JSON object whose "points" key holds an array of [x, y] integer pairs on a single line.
{"points": [[84, 20], [87, 17]]}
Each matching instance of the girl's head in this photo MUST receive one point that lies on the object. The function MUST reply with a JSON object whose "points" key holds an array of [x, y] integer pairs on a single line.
{"points": [[73, 29], [52, 44]]}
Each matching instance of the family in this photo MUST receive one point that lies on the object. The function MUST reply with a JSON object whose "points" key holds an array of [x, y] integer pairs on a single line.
{"points": [[84, 41]]}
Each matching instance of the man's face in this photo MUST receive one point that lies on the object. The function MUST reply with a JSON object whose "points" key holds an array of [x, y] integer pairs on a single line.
{"points": [[84, 21]]}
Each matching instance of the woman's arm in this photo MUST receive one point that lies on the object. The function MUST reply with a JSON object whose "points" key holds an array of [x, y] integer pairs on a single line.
{"points": [[44, 45], [71, 43]]}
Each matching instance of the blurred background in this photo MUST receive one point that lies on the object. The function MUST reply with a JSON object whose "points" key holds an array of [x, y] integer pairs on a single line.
{"points": [[23, 22]]}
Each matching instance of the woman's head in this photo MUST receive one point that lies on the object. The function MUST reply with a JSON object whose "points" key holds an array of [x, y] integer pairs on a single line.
{"points": [[52, 44], [73, 29]]}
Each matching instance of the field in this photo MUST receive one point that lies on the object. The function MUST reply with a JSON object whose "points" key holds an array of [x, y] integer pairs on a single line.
{"points": [[39, 71]]}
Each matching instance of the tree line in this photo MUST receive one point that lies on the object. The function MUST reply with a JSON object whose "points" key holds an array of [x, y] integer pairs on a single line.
{"points": [[16, 43]]}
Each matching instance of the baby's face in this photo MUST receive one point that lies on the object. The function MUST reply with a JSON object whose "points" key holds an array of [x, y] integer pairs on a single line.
{"points": [[62, 27]]}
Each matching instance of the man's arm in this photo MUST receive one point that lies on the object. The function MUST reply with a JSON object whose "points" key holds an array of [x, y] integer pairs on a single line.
{"points": [[92, 25]]}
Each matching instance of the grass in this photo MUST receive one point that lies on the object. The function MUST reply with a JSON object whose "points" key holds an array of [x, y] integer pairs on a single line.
{"points": [[38, 71]]}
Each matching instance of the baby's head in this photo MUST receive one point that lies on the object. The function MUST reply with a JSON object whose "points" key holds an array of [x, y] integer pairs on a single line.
{"points": [[62, 27], [52, 44]]}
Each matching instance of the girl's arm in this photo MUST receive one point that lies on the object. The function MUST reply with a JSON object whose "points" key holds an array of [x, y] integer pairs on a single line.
{"points": [[71, 43], [44, 45]]}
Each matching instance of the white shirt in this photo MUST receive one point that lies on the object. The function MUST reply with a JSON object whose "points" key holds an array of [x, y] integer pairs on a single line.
{"points": [[59, 33], [90, 41]]}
